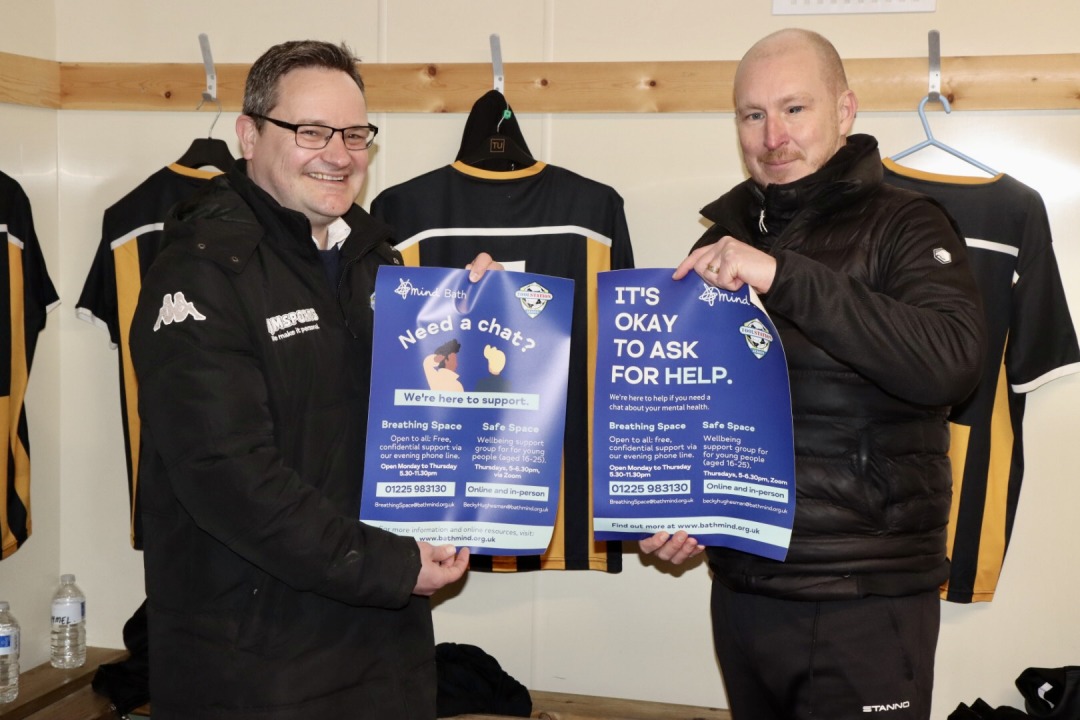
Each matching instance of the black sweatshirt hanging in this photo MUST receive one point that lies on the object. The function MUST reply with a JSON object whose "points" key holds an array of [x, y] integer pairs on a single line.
{"points": [[492, 139]]}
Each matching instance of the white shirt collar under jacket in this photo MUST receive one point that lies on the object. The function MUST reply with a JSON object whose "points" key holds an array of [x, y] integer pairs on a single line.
{"points": [[336, 233]]}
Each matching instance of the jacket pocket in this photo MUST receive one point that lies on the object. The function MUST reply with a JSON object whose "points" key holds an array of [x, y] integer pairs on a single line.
{"points": [[257, 614], [871, 477]]}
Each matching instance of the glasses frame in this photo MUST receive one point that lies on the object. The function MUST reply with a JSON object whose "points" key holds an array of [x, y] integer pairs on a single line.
{"points": [[333, 130]]}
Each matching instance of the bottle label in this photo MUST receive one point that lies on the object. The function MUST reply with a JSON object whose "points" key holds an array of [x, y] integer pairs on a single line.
{"points": [[68, 612], [9, 643]]}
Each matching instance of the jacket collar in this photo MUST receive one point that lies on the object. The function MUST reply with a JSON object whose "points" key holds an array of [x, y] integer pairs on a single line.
{"points": [[854, 171], [294, 227]]}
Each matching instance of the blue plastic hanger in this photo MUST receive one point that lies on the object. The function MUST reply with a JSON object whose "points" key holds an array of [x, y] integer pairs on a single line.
{"points": [[935, 94], [931, 141]]}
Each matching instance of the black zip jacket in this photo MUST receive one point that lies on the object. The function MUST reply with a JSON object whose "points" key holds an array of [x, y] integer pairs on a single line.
{"points": [[267, 598], [881, 323]]}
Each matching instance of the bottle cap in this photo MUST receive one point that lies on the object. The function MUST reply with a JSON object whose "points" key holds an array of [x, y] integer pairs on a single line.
{"points": [[65, 579], [4, 606]]}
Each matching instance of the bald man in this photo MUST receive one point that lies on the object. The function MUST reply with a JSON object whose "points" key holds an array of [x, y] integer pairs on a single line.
{"points": [[870, 290]]}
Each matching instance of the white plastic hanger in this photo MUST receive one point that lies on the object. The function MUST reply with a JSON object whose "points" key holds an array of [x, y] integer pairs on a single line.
{"points": [[935, 94]]}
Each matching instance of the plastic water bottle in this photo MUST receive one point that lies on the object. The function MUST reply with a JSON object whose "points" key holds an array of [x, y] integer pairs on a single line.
{"points": [[68, 625], [9, 655]]}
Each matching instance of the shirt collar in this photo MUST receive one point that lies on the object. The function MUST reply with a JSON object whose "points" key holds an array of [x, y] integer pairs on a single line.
{"points": [[336, 234]]}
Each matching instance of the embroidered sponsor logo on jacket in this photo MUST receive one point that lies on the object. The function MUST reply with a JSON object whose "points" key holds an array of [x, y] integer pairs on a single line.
{"points": [[176, 308], [292, 323]]}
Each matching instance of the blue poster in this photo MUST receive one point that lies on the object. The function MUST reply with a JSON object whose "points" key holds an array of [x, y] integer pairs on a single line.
{"points": [[468, 407], [693, 415]]}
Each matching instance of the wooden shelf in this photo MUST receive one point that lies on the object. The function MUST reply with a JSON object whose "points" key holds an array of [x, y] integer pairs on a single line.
{"points": [[993, 82]]}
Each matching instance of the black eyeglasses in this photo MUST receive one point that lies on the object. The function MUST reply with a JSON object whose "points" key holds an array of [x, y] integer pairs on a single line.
{"points": [[316, 137]]}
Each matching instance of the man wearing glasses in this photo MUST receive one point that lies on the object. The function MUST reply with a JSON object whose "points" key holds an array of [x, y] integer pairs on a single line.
{"points": [[267, 598]]}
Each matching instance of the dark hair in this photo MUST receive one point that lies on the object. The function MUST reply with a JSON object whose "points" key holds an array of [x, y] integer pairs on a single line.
{"points": [[450, 346], [261, 88]]}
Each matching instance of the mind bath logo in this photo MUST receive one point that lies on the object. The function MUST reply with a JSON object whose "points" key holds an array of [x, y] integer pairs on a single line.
{"points": [[406, 290], [709, 294], [713, 295]]}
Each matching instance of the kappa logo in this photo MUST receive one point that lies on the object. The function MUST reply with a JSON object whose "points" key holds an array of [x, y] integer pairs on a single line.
{"points": [[758, 337], [943, 256], [176, 308], [534, 298]]}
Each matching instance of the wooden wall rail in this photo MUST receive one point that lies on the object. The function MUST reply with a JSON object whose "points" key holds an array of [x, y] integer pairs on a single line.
{"points": [[29, 81], [993, 82]]}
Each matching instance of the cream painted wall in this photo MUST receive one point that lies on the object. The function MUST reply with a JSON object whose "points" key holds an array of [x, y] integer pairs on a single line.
{"points": [[644, 633], [31, 572], [28, 153]]}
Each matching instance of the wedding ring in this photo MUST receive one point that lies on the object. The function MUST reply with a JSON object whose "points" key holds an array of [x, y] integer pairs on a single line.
{"points": [[713, 269]]}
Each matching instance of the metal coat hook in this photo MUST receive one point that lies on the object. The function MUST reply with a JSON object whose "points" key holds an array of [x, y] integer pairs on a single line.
{"points": [[210, 93], [934, 93], [499, 78], [497, 63], [934, 40]]}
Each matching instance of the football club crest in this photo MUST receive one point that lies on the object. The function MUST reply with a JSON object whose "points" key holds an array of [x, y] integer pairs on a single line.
{"points": [[758, 337], [534, 297]]}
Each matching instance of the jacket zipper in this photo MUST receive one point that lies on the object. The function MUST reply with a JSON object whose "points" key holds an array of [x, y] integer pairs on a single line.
{"points": [[341, 282]]}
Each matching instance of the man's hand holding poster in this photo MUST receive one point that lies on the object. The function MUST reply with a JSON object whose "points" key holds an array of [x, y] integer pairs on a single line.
{"points": [[692, 415], [468, 405]]}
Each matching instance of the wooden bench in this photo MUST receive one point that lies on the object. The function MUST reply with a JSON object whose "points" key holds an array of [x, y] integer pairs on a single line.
{"points": [[565, 706], [48, 693]]}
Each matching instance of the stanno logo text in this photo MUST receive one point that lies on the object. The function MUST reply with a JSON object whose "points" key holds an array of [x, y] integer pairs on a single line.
{"points": [[886, 708]]}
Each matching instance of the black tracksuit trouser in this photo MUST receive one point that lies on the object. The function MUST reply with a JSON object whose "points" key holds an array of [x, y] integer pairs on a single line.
{"points": [[869, 658]]}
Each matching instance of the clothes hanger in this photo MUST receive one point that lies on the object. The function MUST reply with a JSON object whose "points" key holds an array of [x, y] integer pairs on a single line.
{"points": [[934, 94], [492, 139], [208, 151], [931, 141]]}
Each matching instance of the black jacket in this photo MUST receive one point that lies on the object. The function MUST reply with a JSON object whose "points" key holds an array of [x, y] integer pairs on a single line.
{"points": [[881, 322], [267, 598]]}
